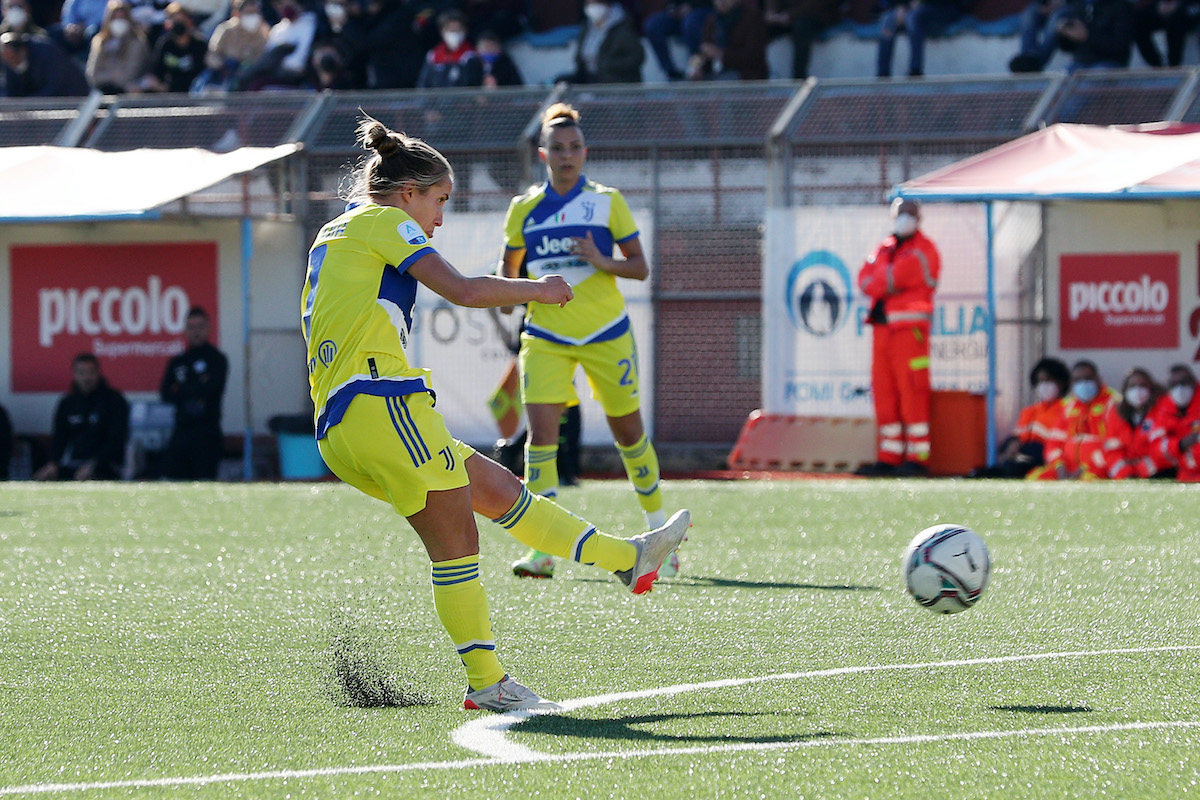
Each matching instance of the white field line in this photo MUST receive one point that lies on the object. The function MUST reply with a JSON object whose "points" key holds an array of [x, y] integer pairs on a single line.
{"points": [[514, 754], [487, 735]]}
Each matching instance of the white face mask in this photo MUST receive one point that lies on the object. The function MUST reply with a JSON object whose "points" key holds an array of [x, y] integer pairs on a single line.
{"points": [[453, 39], [336, 13], [1137, 396], [1182, 395], [905, 225], [251, 22], [118, 27], [1046, 391], [16, 17], [596, 12], [1085, 391]]}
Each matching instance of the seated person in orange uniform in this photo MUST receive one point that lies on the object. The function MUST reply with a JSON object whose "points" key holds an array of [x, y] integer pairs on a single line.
{"points": [[1075, 445], [1025, 449], [1129, 424], [1175, 426]]}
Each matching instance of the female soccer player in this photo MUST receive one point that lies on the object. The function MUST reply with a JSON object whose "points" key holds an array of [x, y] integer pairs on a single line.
{"points": [[376, 424], [568, 226]]}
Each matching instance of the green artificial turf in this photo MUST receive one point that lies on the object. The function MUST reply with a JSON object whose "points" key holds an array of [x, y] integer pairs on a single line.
{"points": [[280, 641]]}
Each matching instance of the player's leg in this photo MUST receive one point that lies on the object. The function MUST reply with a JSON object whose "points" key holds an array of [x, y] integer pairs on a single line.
{"points": [[612, 371], [398, 449], [546, 371], [541, 523]]}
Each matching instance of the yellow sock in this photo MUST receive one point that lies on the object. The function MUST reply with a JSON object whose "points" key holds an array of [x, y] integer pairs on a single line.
{"points": [[541, 469], [548, 527], [462, 607], [641, 465]]}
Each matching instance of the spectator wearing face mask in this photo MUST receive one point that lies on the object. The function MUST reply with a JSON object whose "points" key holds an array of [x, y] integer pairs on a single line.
{"points": [[178, 55], [120, 53], [237, 41], [1075, 446], [284, 62], [609, 49], [1175, 420], [1025, 448], [1128, 448], [452, 61], [18, 18], [497, 66]]}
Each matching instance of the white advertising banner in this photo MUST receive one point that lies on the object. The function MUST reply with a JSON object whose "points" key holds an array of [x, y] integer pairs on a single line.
{"points": [[817, 346]]}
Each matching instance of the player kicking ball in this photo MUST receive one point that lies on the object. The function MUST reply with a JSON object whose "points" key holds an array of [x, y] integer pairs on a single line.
{"points": [[376, 424]]}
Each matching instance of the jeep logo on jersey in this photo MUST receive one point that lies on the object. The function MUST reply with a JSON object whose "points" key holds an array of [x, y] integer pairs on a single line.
{"points": [[411, 233], [552, 247]]}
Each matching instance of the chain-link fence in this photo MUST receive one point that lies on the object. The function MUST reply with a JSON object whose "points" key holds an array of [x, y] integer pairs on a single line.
{"points": [[700, 163]]}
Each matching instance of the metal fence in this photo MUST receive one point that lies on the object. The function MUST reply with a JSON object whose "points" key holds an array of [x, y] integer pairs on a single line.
{"points": [[703, 160]]}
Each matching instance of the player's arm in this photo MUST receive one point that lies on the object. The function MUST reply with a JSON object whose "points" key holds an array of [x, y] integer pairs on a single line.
{"points": [[633, 266], [485, 291], [510, 262]]}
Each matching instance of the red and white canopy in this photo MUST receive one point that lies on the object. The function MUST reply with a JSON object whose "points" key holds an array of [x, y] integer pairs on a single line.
{"points": [[1074, 161]]}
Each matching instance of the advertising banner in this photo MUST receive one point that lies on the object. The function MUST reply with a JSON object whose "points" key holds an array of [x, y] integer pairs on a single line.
{"points": [[1119, 301], [126, 303], [816, 343]]}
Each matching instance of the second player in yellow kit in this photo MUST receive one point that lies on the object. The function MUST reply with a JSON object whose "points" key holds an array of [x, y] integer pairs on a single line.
{"points": [[570, 226]]}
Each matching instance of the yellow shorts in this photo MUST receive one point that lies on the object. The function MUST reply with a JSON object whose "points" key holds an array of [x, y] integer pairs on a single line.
{"points": [[396, 449], [547, 370]]}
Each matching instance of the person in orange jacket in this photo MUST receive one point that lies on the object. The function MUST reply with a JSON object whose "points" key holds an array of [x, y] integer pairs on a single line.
{"points": [[1176, 420], [1025, 448], [1075, 446], [900, 279], [1129, 424]]}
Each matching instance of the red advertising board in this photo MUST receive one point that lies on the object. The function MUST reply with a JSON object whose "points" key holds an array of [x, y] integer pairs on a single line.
{"points": [[1119, 301], [125, 303]]}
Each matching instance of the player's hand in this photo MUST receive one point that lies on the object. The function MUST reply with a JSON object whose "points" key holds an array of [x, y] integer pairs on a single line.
{"points": [[585, 247], [555, 290]]}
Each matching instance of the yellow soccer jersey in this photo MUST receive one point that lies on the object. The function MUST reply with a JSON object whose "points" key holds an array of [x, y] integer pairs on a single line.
{"points": [[357, 307], [542, 222]]}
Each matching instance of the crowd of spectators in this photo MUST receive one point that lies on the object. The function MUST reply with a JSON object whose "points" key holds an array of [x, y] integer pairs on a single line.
{"points": [[68, 47]]}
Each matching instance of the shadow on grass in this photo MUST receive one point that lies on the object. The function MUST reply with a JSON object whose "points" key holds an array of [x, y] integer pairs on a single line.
{"points": [[732, 583], [1043, 709], [626, 728]]}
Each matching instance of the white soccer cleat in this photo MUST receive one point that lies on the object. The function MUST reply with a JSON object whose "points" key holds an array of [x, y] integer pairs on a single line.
{"points": [[507, 695], [652, 549], [535, 564]]}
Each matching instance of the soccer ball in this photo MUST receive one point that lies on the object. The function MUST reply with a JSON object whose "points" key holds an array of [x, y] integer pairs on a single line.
{"points": [[946, 568]]}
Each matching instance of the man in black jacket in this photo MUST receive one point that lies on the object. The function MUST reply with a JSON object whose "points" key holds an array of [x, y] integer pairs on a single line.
{"points": [[194, 383], [91, 425]]}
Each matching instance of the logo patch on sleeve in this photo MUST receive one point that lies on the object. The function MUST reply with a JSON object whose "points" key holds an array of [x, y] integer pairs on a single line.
{"points": [[409, 231]]}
